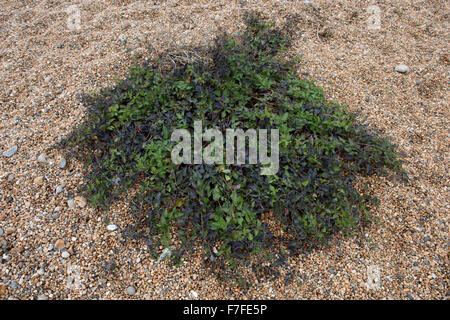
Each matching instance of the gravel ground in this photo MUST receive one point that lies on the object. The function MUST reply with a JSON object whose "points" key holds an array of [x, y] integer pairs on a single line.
{"points": [[54, 246]]}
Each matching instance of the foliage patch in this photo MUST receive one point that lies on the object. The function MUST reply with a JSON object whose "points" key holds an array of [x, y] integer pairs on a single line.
{"points": [[248, 84]]}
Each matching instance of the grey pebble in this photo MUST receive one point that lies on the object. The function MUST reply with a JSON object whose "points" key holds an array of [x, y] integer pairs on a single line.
{"points": [[13, 285], [131, 291], [426, 239], [60, 188], [10, 177], [42, 158], [1, 232], [402, 68], [62, 164], [122, 38], [10, 152], [165, 254], [42, 297], [71, 203], [65, 254]]}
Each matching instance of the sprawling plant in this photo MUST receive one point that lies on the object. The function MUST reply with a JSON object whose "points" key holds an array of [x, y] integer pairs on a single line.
{"points": [[248, 85]]}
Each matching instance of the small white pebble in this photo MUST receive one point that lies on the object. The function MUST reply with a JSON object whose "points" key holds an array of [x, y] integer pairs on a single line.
{"points": [[402, 68], [111, 227]]}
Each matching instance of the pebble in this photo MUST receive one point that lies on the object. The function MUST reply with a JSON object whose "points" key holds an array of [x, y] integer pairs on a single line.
{"points": [[10, 177], [133, 26], [59, 244], [42, 297], [402, 68], [60, 188], [194, 294], [10, 152], [111, 227], [62, 164], [131, 291], [65, 255], [71, 203], [1, 232], [3, 290], [13, 285], [165, 254], [122, 38], [42, 158], [38, 180]]}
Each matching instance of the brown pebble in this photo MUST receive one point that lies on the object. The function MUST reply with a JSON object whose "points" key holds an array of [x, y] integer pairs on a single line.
{"points": [[3, 290], [59, 244], [38, 180]]}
